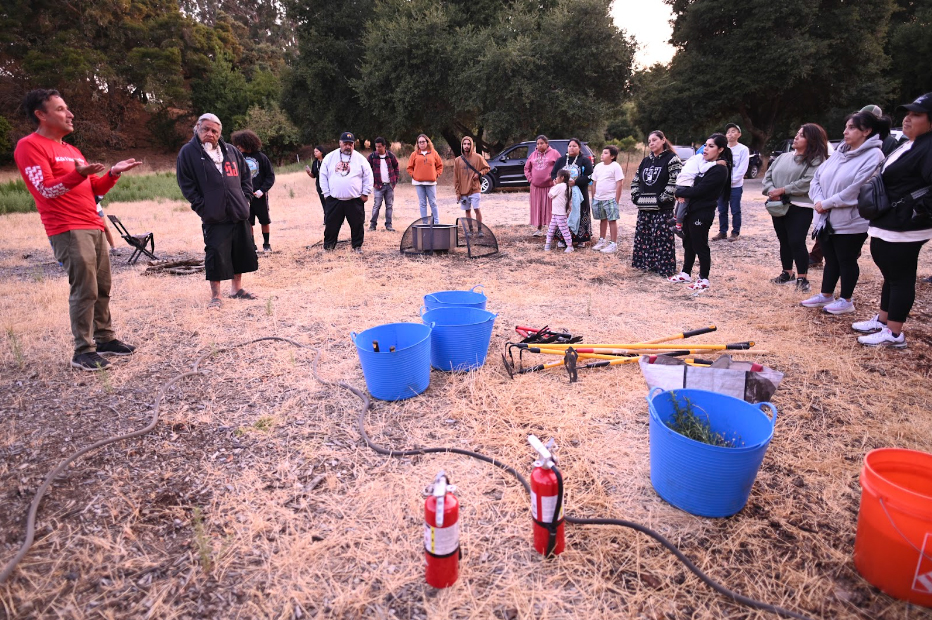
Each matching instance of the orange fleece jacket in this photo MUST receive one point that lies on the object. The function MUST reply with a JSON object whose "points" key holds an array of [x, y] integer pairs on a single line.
{"points": [[425, 168]]}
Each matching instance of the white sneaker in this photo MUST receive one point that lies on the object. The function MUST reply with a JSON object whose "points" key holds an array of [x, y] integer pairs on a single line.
{"points": [[680, 277], [840, 306], [538, 233], [700, 284], [609, 248], [869, 326], [817, 301], [884, 338], [599, 245], [569, 250]]}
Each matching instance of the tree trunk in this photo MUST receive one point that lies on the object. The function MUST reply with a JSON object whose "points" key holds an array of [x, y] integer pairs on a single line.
{"points": [[452, 139]]}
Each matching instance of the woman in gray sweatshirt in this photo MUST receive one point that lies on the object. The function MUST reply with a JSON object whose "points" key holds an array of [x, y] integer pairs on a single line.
{"points": [[834, 193], [787, 182]]}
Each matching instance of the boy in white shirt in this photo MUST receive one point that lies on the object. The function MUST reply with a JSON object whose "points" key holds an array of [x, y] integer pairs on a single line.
{"points": [[740, 158], [607, 177]]}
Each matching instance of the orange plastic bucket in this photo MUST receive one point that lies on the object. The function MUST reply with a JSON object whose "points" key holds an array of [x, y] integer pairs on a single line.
{"points": [[893, 546]]}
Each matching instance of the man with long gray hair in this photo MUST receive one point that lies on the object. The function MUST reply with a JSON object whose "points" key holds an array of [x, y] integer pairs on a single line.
{"points": [[214, 178]]}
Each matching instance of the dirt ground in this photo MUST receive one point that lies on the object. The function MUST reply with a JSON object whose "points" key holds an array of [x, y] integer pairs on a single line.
{"points": [[255, 497]]}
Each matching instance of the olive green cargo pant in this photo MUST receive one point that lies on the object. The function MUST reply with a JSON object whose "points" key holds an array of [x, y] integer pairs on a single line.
{"points": [[85, 256]]}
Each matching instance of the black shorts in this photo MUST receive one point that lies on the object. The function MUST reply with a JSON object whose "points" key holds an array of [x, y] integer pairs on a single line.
{"points": [[230, 250], [259, 209]]}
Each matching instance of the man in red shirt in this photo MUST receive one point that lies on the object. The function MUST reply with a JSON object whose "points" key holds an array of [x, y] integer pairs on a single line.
{"points": [[63, 185]]}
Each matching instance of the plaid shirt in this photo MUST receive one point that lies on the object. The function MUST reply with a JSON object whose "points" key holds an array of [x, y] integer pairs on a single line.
{"points": [[392, 162]]}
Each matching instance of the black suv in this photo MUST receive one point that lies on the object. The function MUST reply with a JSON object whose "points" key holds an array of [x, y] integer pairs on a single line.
{"points": [[507, 168]]}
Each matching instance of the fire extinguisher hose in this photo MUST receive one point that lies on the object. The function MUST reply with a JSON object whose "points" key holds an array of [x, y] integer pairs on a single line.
{"points": [[366, 404], [557, 511]]}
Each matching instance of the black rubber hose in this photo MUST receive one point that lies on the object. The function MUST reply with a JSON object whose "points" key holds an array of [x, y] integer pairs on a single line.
{"points": [[361, 425], [153, 420], [364, 409]]}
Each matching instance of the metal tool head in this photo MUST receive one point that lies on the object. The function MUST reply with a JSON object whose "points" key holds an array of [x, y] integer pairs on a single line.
{"points": [[569, 361]]}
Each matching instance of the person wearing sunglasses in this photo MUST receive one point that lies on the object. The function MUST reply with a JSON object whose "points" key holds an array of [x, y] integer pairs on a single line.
{"points": [[424, 168]]}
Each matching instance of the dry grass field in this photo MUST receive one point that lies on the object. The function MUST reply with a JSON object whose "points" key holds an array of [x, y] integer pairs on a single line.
{"points": [[255, 497]]}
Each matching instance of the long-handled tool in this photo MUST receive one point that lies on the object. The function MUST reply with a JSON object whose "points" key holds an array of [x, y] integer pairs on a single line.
{"points": [[689, 334], [733, 346]]}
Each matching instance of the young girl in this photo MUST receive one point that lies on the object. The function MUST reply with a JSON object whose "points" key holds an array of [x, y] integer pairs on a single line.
{"points": [[561, 195]]}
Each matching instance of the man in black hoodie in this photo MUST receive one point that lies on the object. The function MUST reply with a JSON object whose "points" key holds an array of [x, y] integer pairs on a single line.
{"points": [[214, 178]]}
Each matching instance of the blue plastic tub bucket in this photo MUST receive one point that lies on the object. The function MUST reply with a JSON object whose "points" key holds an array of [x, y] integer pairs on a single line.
{"points": [[445, 299], [705, 480], [398, 374], [460, 338]]}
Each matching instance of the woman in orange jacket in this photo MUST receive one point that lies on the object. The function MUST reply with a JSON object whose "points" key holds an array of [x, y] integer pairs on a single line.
{"points": [[425, 167]]}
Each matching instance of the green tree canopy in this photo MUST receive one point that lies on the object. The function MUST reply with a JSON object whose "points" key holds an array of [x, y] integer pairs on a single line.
{"points": [[766, 64], [497, 70]]}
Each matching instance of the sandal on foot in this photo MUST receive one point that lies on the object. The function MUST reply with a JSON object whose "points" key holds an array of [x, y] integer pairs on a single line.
{"points": [[242, 294], [214, 304]]}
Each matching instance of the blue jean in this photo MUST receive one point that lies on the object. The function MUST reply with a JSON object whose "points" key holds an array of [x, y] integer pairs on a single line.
{"points": [[387, 193], [425, 194], [735, 212]]}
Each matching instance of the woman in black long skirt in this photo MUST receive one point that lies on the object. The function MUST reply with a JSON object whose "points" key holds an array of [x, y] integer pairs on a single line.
{"points": [[652, 191]]}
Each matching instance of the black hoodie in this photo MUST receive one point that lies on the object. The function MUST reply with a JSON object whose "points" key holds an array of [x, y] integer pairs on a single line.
{"points": [[215, 197]]}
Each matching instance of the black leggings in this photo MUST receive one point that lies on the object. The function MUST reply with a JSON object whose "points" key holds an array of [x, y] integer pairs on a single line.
{"points": [[897, 262], [791, 230], [841, 261], [696, 241]]}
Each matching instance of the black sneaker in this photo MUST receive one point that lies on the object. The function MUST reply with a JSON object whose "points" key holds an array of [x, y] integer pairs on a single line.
{"points": [[371, 228], [389, 228], [783, 278], [115, 347], [267, 249], [90, 362], [802, 285]]}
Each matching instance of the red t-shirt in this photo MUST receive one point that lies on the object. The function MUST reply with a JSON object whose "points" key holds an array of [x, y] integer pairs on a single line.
{"points": [[64, 198]]}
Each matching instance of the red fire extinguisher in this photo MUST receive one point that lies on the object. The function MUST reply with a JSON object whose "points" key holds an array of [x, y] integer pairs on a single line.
{"points": [[546, 500], [441, 533]]}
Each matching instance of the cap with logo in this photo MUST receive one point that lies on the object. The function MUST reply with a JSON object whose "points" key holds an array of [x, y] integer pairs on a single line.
{"points": [[347, 136], [922, 104]]}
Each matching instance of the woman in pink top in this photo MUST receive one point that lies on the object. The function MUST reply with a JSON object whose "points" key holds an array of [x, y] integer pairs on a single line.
{"points": [[537, 170]]}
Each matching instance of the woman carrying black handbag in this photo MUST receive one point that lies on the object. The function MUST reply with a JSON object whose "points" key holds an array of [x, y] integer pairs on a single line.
{"points": [[899, 234]]}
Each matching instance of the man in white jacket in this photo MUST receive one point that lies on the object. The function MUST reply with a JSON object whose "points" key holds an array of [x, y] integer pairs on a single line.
{"points": [[740, 156], [346, 182]]}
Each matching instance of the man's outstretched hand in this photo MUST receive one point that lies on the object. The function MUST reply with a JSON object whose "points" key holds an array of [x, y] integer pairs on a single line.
{"points": [[121, 167], [87, 169]]}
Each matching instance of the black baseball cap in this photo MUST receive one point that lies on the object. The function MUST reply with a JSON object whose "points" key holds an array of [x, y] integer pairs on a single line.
{"points": [[347, 136], [922, 104]]}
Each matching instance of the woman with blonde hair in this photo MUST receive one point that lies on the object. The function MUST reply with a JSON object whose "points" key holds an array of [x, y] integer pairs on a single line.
{"points": [[425, 167]]}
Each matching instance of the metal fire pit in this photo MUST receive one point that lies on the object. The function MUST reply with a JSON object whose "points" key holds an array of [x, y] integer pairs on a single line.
{"points": [[434, 238]]}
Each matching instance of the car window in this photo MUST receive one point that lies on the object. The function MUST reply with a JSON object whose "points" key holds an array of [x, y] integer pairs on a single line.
{"points": [[518, 153]]}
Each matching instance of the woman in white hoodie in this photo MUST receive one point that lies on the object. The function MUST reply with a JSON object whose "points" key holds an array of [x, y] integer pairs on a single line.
{"points": [[834, 193]]}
